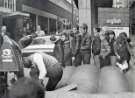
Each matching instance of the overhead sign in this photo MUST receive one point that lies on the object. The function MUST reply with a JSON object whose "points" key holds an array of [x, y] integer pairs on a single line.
{"points": [[65, 21]]}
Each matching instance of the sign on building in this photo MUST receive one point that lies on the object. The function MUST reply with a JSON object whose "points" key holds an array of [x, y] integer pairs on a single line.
{"points": [[114, 19]]}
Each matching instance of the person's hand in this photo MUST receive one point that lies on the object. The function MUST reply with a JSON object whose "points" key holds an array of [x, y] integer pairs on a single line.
{"points": [[73, 58], [41, 81], [103, 56], [29, 35], [44, 81], [118, 56]]}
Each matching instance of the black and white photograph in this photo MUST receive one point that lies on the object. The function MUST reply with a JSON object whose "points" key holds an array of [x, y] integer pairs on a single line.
{"points": [[67, 48]]}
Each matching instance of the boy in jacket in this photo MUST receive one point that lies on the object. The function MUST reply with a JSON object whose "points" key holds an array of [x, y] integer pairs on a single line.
{"points": [[85, 45]]}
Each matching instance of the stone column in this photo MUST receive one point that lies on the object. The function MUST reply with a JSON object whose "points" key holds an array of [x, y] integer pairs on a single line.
{"points": [[88, 13], [37, 21]]}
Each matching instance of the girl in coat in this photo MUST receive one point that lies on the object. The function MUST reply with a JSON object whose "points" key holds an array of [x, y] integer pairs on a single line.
{"points": [[58, 51], [122, 52], [104, 52], [66, 49], [111, 40]]}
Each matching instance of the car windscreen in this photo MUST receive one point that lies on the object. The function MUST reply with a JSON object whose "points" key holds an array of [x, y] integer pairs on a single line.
{"points": [[39, 41]]}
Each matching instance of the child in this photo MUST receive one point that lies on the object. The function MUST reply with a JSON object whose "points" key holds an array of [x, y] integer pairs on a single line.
{"points": [[58, 51], [104, 52], [122, 52], [67, 49], [111, 41]]}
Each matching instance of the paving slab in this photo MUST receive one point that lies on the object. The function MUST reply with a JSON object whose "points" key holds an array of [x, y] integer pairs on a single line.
{"points": [[79, 95]]}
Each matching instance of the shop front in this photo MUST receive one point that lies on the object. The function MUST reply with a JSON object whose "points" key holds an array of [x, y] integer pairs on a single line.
{"points": [[49, 22]]}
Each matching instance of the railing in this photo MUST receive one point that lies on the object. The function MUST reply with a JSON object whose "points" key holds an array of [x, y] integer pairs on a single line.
{"points": [[9, 4]]}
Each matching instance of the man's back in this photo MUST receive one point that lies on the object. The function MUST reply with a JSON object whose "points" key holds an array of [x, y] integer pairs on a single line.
{"points": [[48, 59]]}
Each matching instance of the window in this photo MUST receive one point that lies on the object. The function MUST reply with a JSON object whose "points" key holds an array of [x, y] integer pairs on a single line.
{"points": [[52, 26], [43, 22]]}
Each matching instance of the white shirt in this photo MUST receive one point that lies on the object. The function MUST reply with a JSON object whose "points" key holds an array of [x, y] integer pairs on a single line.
{"points": [[42, 60]]}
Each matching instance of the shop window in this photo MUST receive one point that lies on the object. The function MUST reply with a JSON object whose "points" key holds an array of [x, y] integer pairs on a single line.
{"points": [[33, 19], [52, 26], [60, 26], [43, 22]]}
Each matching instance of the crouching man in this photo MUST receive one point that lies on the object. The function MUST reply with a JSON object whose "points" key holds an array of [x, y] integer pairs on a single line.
{"points": [[43, 65]]}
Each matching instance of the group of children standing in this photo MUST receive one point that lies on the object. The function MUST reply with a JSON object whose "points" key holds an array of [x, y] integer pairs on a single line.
{"points": [[78, 47]]}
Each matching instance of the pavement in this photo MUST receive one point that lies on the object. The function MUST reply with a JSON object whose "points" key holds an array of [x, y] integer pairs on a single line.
{"points": [[84, 95], [79, 95]]}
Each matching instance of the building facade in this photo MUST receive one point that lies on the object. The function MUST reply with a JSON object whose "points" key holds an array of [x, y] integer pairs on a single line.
{"points": [[51, 15], [114, 19], [120, 3], [6, 7], [132, 17]]}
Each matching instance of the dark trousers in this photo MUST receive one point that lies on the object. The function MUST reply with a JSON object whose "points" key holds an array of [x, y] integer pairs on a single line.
{"points": [[68, 62], [77, 60], [104, 61], [54, 73], [67, 57], [85, 56], [52, 83]]}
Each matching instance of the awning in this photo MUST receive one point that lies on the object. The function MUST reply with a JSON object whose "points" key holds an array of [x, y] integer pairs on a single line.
{"points": [[5, 11], [18, 14]]}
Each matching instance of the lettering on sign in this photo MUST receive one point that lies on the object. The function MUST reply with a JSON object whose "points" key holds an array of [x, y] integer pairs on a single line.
{"points": [[7, 55], [66, 21], [113, 21]]}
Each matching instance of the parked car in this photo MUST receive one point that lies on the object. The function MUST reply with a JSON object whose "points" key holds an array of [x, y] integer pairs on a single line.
{"points": [[39, 44]]}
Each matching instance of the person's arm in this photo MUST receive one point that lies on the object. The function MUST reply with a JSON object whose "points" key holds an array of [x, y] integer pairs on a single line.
{"points": [[108, 48], [78, 41], [115, 50], [128, 47], [38, 60]]}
